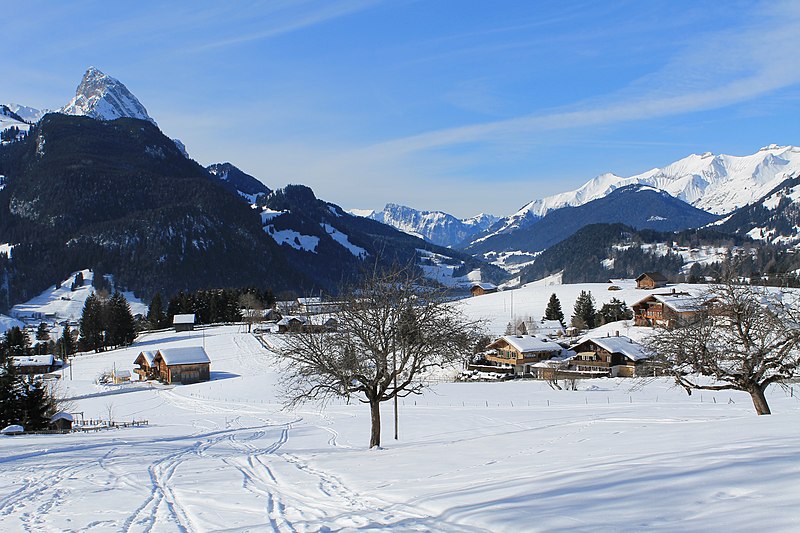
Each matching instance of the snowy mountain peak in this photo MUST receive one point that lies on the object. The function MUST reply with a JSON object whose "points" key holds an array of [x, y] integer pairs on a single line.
{"points": [[104, 98], [718, 184], [435, 227]]}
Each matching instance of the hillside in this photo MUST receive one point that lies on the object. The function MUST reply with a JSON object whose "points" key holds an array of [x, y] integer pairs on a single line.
{"points": [[118, 196], [774, 219], [317, 236], [718, 184], [601, 251], [637, 206]]}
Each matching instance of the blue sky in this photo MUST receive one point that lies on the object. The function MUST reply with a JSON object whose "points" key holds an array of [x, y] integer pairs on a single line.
{"points": [[462, 106]]}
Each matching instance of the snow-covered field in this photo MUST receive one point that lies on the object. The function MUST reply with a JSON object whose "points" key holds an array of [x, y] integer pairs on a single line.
{"points": [[500, 308], [616, 455]]}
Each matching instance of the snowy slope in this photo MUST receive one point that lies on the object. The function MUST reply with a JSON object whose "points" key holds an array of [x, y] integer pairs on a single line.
{"points": [[62, 303], [715, 183], [10, 119], [28, 114], [104, 98], [530, 300], [472, 457]]}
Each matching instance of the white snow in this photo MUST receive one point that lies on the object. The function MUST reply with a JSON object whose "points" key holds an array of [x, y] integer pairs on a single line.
{"points": [[343, 240], [615, 455], [268, 214], [500, 308], [58, 304], [6, 248], [296, 240]]}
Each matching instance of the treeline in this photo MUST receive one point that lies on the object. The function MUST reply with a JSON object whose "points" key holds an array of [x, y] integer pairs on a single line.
{"points": [[209, 306], [27, 402], [600, 252]]}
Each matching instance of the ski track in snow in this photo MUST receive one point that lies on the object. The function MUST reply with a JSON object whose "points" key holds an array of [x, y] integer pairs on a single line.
{"points": [[225, 458]]}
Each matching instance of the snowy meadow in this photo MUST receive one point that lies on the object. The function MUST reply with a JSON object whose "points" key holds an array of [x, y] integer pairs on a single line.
{"points": [[615, 455]]}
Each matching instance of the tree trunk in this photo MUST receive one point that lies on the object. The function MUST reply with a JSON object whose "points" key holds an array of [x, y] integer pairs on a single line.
{"points": [[375, 418], [759, 400]]}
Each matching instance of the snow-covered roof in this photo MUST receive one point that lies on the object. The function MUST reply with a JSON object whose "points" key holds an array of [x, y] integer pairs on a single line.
{"points": [[549, 326], [679, 302], [184, 356], [310, 301], [62, 416], [122, 374], [530, 343], [183, 319], [483, 285], [285, 321], [622, 345], [13, 429], [34, 360], [148, 356]]}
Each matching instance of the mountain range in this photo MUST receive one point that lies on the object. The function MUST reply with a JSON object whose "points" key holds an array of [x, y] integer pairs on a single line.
{"points": [[98, 184], [434, 226], [89, 188]]}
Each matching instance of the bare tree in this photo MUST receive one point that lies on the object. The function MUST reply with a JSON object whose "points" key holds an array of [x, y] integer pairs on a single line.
{"points": [[392, 329], [744, 338], [252, 309]]}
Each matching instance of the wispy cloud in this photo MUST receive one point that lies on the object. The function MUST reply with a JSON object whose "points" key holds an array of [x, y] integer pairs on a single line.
{"points": [[714, 71], [282, 21]]}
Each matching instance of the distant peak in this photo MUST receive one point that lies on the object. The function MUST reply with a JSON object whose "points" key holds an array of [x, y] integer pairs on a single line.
{"points": [[772, 147], [103, 97]]}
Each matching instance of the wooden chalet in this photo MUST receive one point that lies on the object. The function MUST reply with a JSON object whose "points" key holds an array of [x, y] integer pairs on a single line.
{"points": [[30, 365], [146, 368], [665, 310], [182, 365], [481, 288], [608, 356], [521, 352], [183, 322], [651, 280]]}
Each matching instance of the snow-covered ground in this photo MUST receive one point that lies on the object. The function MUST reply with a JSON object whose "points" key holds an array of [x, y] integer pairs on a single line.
{"points": [[500, 308], [62, 303], [616, 455]]}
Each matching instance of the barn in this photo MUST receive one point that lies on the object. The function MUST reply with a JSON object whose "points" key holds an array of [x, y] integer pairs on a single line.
{"points": [[183, 322], [651, 280], [182, 365]]}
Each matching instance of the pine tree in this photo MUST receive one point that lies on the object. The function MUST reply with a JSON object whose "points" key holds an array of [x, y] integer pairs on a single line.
{"points": [[42, 337], [9, 388], [92, 323], [120, 323], [17, 342], [155, 313], [584, 311], [613, 311], [66, 344], [36, 405], [553, 311]]}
